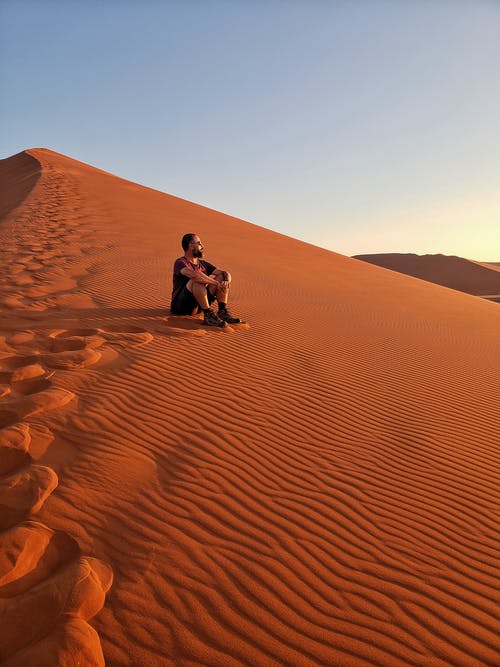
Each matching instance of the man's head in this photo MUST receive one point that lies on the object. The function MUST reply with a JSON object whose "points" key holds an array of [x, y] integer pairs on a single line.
{"points": [[192, 245]]}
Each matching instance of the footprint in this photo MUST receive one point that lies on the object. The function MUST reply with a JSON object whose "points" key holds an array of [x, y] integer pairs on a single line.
{"points": [[33, 266], [69, 344], [45, 290], [66, 333], [4, 346], [121, 335], [36, 307], [23, 493], [29, 553], [11, 302], [21, 337], [72, 642], [14, 443], [71, 359], [78, 339], [19, 407], [22, 280], [75, 353], [18, 368]]}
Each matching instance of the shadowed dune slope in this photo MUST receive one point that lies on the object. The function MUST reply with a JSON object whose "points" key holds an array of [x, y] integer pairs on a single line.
{"points": [[457, 273], [18, 175], [318, 487]]}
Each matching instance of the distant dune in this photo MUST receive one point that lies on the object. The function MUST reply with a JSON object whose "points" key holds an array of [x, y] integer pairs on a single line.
{"points": [[465, 275], [318, 486]]}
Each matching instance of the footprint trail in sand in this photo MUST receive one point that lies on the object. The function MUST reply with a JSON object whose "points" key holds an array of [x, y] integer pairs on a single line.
{"points": [[49, 589]]}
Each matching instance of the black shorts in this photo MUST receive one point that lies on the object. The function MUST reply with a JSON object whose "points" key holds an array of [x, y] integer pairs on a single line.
{"points": [[186, 304]]}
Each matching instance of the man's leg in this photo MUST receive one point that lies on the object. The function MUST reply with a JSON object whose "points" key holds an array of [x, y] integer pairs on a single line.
{"points": [[221, 292], [200, 293]]}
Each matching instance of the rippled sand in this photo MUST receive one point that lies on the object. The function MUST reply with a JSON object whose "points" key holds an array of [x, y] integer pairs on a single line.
{"points": [[317, 486]]}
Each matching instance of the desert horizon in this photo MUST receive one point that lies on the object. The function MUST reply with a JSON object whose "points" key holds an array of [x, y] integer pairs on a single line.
{"points": [[317, 485]]}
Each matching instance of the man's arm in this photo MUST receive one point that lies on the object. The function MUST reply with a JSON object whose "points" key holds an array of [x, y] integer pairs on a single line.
{"points": [[199, 276]]}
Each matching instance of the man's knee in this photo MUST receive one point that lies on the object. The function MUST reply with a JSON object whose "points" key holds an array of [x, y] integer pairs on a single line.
{"points": [[222, 277]]}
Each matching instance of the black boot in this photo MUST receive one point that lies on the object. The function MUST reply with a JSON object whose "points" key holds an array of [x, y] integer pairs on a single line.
{"points": [[226, 316], [210, 319]]}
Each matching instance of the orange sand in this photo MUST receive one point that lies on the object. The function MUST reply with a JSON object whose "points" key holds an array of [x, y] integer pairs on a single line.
{"points": [[319, 487], [465, 275]]}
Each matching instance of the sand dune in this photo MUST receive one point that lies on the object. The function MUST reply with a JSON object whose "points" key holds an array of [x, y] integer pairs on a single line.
{"points": [[317, 487], [465, 275]]}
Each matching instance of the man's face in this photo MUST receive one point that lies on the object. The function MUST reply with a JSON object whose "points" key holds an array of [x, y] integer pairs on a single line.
{"points": [[196, 247]]}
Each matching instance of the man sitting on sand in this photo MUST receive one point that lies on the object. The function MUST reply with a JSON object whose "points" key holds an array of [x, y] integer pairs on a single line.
{"points": [[197, 283]]}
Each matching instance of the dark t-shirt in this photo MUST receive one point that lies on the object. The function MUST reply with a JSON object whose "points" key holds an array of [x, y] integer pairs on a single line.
{"points": [[179, 281]]}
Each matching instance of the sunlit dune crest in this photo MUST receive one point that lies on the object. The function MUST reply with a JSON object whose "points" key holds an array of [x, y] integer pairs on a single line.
{"points": [[318, 486]]}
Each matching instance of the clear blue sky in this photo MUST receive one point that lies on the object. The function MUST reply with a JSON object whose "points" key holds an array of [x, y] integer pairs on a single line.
{"points": [[357, 125]]}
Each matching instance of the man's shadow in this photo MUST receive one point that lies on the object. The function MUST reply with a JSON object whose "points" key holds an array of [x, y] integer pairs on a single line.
{"points": [[154, 320]]}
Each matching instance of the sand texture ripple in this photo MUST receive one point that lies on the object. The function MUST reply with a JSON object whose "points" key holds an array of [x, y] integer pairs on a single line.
{"points": [[318, 486]]}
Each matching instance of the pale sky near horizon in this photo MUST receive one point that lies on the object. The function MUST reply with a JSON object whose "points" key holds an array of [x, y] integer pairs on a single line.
{"points": [[362, 126]]}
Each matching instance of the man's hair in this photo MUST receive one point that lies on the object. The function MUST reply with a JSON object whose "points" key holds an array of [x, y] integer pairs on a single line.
{"points": [[186, 240]]}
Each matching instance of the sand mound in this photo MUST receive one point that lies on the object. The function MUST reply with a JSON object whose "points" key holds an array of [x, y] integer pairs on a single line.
{"points": [[319, 487], [455, 272]]}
